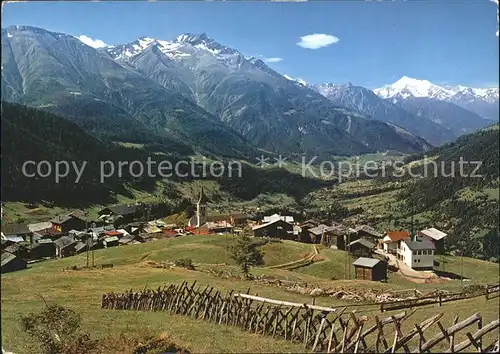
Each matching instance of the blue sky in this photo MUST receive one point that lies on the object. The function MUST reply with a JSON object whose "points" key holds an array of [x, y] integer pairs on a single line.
{"points": [[366, 43]]}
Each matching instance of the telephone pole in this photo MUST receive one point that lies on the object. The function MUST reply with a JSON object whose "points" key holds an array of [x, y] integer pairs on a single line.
{"points": [[462, 265], [92, 243], [87, 239], [412, 232]]}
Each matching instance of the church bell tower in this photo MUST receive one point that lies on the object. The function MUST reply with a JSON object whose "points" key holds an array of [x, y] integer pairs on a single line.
{"points": [[201, 209]]}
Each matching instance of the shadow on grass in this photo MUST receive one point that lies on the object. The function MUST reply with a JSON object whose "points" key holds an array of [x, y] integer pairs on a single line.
{"points": [[443, 274]]}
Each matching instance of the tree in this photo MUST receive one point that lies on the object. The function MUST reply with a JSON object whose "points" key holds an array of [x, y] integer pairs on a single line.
{"points": [[246, 254]]}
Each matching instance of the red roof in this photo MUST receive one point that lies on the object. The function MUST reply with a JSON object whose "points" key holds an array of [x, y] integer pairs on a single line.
{"points": [[169, 232], [113, 233], [398, 235]]}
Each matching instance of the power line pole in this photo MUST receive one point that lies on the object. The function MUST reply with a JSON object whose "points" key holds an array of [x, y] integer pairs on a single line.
{"points": [[349, 255], [92, 242], [462, 267], [87, 240]]}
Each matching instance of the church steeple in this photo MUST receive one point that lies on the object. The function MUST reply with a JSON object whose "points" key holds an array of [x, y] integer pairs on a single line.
{"points": [[203, 198], [201, 209]]}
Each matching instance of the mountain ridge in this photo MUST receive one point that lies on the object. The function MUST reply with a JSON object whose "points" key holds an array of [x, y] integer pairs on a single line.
{"points": [[182, 89]]}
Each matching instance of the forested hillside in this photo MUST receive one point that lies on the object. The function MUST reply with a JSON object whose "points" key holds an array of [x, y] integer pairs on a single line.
{"points": [[30, 134], [467, 203]]}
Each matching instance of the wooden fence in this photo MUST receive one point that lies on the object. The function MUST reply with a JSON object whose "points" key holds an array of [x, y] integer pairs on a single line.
{"points": [[491, 292], [318, 328]]}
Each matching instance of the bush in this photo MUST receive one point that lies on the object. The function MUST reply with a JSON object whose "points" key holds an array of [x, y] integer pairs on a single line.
{"points": [[57, 330], [185, 263], [140, 343]]}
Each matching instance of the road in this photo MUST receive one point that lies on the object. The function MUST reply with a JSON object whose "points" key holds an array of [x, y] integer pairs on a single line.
{"points": [[407, 272]]}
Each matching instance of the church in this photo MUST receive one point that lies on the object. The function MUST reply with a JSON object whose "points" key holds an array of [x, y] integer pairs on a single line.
{"points": [[201, 211]]}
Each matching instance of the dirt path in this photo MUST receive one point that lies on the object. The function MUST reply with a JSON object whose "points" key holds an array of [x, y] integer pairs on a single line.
{"points": [[409, 273], [298, 263]]}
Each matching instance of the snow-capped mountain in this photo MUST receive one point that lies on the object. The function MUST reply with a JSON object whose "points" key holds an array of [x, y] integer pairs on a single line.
{"points": [[185, 47], [368, 103], [177, 90], [298, 80], [410, 87], [483, 101]]}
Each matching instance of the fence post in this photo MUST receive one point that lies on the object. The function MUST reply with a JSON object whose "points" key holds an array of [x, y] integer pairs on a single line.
{"points": [[381, 307], [486, 293], [439, 300]]}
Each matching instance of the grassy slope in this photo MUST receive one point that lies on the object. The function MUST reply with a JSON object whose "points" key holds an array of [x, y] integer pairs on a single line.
{"points": [[82, 290]]}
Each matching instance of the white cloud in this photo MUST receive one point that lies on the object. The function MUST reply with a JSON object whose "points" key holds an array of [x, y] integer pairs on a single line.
{"points": [[317, 40], [273, 60], [95, 43], [496, 3]]}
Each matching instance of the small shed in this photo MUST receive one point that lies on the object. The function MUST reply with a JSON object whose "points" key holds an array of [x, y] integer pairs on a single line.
{"points": [[110, 241], [127, 239], [370, 269]]}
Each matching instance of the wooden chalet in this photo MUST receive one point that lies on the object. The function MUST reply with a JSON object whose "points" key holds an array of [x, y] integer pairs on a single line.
{"points": [[219, 226], [238, 219], [45, 249], [16, 231], [277, 228], [366, 232], [18, 249], [6, 243], [11, 263], [361, 248], [65, 223], [65, 246], [123, 213], [316, 234], [436, 236]]}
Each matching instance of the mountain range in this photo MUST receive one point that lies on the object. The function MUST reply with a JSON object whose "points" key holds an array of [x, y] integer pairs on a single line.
{"points": [[195, 95], [438, 114], [191, 91]]}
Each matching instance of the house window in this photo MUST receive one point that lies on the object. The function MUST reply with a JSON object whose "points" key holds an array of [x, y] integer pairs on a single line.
{"points": [[414, 253]]}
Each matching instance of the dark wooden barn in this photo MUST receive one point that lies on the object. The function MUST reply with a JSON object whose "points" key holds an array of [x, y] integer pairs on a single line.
{"points": [[370, 269], [11, 263], [361, 248], [65, 223], [278, 228], [41, 250]]}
